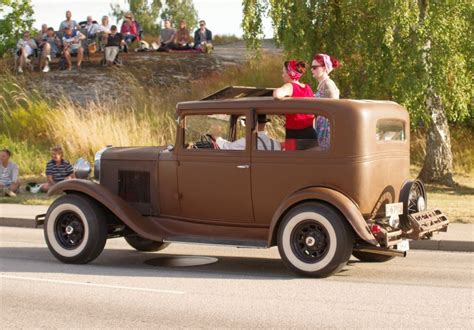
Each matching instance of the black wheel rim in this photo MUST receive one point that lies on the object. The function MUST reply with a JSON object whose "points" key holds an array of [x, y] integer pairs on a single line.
{"points": [[416, 191], [310, 241], [69, 230]]}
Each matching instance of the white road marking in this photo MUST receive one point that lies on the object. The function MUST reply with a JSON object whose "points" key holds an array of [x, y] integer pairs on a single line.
{"points": [[89, 284]]}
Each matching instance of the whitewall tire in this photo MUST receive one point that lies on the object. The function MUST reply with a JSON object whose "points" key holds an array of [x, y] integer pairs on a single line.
{"points": [[315, 240], [75, 229]]}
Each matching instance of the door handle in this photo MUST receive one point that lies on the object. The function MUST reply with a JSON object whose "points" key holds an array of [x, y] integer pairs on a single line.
{"points": [[243, 166]]}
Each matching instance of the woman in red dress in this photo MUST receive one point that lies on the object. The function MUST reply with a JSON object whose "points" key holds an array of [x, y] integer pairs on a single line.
{"points": [[300, 132]]}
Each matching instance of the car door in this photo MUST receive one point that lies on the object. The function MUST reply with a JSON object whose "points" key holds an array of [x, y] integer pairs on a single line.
{"points": [[214, 184]]}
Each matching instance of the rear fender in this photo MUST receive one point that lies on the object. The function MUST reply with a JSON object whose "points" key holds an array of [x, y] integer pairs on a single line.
{"points": [[122, 210], [338, 200]]}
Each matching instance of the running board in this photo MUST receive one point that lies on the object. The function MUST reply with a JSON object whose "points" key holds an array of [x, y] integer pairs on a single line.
{"points": [[204, 241]]}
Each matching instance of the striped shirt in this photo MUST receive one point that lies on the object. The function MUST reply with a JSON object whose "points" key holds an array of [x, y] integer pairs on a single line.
{"points": [[59, 172]]}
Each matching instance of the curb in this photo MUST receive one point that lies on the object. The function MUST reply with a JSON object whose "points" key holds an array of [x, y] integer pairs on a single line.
{"points": [[431, 245]]}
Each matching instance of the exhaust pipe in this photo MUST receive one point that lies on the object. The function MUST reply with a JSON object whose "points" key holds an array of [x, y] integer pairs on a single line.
{"points": [[382, 251]]}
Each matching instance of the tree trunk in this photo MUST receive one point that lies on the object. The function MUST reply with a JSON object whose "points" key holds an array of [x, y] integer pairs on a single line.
{"points": [[438, 164]]}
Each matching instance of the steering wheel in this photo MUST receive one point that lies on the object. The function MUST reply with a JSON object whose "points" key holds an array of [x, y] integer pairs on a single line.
{"points": [[206, 142]]}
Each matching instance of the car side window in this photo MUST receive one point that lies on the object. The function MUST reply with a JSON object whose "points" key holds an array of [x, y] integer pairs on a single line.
{"points": [[273, 134], [390, 130], [215, 131]]}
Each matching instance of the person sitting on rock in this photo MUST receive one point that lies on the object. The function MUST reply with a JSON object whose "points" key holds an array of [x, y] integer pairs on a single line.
{"points": [[72, 24], [57, 169], [92, 27], [183, 39], [112, 41], [130, 29], [167, 37], [9, 181], [26, 48], [72, 42], [105, 26], [203, 38], [51, 48]]}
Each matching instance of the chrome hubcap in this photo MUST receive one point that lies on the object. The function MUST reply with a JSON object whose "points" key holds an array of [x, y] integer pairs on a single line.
{"points": [[69, 230]]}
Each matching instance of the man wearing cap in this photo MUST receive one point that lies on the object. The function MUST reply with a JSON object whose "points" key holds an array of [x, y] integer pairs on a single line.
{"points": [[263, 141], [112, 41]]}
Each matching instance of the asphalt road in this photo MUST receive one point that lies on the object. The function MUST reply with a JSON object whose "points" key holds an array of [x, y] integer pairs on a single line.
{"points": [[245, 288]]}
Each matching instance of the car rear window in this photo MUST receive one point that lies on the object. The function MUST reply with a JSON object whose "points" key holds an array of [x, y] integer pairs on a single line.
{"points": [[390, 130]]}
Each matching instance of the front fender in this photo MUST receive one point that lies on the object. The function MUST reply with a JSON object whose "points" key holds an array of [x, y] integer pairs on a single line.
{"points": [[338, 200], [122, 210]]}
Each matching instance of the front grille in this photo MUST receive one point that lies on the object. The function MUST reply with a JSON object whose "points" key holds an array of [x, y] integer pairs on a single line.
{"points": [[134, 186]]}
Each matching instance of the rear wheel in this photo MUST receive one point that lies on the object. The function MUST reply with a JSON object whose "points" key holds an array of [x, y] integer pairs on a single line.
{"points": [[145, 245], [315, 240], [75, 229], [371, 257]]}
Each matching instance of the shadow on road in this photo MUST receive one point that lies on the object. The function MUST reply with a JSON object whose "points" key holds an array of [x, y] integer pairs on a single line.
{"points": [[117, 262]]}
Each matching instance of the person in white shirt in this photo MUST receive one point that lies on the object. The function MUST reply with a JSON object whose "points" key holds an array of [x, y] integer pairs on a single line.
{"points": [[105, 26], [91, 27], [25, 48], [263, 141]]}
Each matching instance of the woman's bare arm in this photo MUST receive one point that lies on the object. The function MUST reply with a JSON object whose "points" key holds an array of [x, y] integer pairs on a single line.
{"points": [[283, 91]]}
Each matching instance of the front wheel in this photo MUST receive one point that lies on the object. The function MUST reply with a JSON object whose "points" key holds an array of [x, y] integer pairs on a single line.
{"points": [[145, 245], [75, 229], [315, 240]]}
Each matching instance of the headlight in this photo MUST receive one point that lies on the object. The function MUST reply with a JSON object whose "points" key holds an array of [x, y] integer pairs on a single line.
{"points": [[97, 157], [82, 168]]}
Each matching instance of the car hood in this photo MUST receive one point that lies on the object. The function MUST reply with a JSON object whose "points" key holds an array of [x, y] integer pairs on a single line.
{"points": [[133, 153]]}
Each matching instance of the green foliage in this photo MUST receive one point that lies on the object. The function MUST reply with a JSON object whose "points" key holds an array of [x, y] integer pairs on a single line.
{"points": [[177, 10], [17, 17], [389, 49], [146, 13]]}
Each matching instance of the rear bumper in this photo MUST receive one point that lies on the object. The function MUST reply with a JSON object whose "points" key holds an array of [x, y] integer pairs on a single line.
{"points": [[424, 224]]}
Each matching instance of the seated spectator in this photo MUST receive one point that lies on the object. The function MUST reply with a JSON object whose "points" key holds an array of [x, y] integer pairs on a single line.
{"points": [[203, 38], [105, 26], [129, 29], [73, 46], [26, 48], [264, 142], [183, 39], [9, 181], [51, 45], [69, 22], [57, 169], [113, 41], [91, 27], [41, 35], [167, 37]]}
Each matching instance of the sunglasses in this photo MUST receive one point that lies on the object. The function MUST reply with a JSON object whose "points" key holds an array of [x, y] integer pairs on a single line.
{"points": [[314, 67], [128, 17]]}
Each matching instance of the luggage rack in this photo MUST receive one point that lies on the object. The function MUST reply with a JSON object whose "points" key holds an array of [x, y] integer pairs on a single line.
{"points": [[425, 223], [237, 92]]}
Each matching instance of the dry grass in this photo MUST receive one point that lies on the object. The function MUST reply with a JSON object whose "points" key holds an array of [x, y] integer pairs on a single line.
{"points": [[456, 202]]}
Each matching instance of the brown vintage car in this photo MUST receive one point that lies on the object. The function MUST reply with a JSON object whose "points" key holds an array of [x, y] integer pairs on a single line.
{"points": [[346, 192]]}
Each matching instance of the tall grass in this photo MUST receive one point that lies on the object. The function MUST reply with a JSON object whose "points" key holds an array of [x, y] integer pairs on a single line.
{"points": [[145, 116]]}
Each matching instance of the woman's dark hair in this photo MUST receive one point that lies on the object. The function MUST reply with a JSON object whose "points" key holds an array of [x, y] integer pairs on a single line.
{"points": [[300, 66], [8, 152]]}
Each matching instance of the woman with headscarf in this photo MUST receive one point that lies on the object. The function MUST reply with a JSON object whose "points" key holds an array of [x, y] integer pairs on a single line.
{"points": [[298, 126], [321, 67]]}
